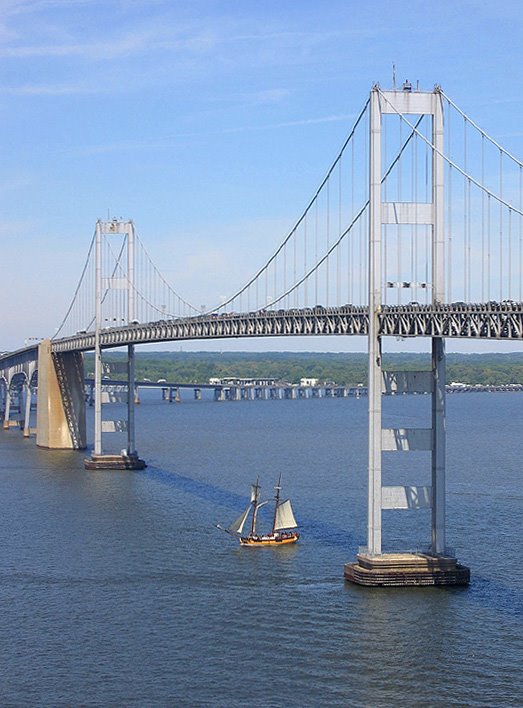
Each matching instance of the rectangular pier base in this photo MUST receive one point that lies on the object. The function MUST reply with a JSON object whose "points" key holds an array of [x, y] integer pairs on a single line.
{"points": [[114, 462], [406, 569]]}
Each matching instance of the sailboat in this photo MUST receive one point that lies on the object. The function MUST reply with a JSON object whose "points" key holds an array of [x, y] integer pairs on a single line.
{"points": [[283, 521]]}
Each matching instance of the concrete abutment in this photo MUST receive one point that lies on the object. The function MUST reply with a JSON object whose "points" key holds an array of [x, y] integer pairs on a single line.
{"points": [[60, 412]]}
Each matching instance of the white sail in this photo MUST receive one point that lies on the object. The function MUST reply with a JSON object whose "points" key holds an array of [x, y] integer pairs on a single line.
{"points": [[258, 506], [284, 516], [237, 526], [255, 490]]}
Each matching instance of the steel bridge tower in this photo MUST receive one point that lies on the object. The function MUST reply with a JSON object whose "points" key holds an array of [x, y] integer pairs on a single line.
{"points": [[105, 282], [434, 567]]}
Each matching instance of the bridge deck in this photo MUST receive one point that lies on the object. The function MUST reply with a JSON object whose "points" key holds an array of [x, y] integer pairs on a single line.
{"points": [[500, 321]]}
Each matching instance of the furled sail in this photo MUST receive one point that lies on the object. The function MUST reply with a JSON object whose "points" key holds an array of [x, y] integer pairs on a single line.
{"points": [[237, 526], [284, 516]]}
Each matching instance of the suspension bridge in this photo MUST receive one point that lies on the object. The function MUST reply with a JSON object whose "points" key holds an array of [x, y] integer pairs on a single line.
{"points": [[416, 230]]}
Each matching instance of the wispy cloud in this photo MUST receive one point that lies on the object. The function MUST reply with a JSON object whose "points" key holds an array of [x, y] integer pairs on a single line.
{"points": [[159, 32], [268, 96], [172, 140], [65, 89], [148, 45], [128, 44], [19, 7]]}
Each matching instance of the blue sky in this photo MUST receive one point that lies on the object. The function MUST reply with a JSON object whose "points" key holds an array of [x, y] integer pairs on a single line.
{"points": [[210, 123]]}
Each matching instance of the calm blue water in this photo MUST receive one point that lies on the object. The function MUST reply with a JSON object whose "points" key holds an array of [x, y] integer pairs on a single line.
{"points": [[116, 589]]}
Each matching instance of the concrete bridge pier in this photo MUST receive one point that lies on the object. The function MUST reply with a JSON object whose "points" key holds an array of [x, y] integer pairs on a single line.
{"points": [[60, 412], [172, 394], [20, 407], [27, 416], [7, 410]]}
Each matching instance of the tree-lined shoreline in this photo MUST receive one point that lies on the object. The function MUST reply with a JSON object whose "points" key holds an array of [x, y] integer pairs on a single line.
{"points": [[345, 369]]}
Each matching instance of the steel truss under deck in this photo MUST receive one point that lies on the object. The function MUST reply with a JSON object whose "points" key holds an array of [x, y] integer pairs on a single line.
{"points": [[504, 321]]}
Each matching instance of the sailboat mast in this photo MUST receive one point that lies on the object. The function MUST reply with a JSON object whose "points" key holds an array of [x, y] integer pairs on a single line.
{"points": [[277, 499], [256, 489]]}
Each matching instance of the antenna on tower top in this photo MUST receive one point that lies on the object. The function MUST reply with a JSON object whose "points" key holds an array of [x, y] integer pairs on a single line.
{"points": [[394, 77]]}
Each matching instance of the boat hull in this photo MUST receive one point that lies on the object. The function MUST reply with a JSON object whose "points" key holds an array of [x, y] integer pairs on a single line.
{"points": [[275, 540]]}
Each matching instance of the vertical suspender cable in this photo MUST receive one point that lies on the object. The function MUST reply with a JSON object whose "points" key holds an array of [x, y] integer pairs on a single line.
{"points": [[327, 239], [305, 298], [363, 233], [465, 209], [350, 244], [275, 289], [501, 226], [520, 265], [294, 273], [385, 196], [316, 252], [399, 230], [285, 266], [488, 246], [339, 249], [482, 219], [449, 208], [413, 196], [469, 249]]}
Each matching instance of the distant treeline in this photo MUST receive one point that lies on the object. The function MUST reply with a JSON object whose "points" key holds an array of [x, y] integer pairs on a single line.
{"points": [[342, 368]]}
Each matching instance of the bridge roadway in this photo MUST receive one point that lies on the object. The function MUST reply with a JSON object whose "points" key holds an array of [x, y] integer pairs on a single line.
{"points": [[501, 321], [483, 321]]}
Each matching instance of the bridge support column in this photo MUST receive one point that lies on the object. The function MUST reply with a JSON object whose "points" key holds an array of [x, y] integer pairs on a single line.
{"points": [[438, 447], [27, 416], [60, 411], [7, 410], [131, 437]]}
